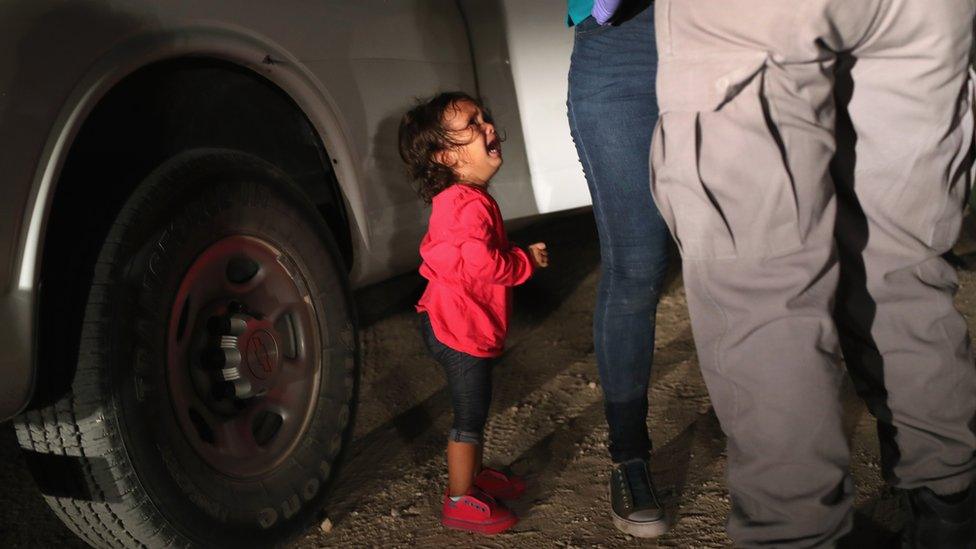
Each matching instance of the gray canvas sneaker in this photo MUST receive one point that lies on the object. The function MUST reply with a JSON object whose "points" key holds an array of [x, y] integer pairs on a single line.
{"points": [[635, 507]]}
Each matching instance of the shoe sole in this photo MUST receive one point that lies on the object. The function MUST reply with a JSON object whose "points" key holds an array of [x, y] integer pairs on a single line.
{"points": [[479, 528], [644, 529]]}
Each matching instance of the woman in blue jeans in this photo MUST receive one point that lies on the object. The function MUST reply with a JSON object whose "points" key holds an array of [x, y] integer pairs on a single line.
{"points": [[612, 112]]}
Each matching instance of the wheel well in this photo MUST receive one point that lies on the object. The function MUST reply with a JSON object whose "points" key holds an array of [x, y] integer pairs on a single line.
{"points": [[151, 115]]}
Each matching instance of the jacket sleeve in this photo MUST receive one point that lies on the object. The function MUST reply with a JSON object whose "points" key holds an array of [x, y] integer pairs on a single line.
{"points": [[481, 259]]}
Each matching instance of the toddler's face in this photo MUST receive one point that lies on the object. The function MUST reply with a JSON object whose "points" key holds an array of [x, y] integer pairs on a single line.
{"points": [[480, 154]]}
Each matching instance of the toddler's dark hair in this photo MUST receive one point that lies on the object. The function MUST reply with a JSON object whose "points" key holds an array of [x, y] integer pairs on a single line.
{"points": [[422, 134]]}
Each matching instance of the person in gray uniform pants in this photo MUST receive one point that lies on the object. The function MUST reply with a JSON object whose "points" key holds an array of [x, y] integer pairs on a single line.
{"points": [[812, 161]]}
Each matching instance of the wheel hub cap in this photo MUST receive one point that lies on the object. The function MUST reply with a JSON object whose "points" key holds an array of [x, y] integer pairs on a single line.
{"points": [[243, 356]]}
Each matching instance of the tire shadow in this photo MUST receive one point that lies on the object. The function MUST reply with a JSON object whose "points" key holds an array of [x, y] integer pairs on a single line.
{"points": [[25, 519]]}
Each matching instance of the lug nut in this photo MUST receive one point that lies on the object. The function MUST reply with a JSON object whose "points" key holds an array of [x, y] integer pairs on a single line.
{"points": [[227, 358], [237, 325], [242, 388]]}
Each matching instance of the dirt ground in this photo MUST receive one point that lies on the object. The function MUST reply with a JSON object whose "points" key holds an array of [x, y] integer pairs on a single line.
{"points": [[547, 424]]}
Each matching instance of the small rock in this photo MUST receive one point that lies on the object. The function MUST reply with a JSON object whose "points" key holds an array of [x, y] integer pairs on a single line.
{"points": [[326, 525], [354, 513], [411, 511], [591, 385], [394, 513]]}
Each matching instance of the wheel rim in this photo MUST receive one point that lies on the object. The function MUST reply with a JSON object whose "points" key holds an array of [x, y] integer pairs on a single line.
{"points": [[242, 356]]}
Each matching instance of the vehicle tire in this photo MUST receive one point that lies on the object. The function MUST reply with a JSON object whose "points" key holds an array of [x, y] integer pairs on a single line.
{"points": [[217, 369]]}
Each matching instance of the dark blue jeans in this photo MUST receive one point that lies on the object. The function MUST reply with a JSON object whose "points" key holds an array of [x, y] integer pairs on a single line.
{"points": [[612, 113], [469, 380]]}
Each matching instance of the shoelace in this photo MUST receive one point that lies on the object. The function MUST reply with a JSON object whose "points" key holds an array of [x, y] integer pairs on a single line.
{"points": [[640, 486]]}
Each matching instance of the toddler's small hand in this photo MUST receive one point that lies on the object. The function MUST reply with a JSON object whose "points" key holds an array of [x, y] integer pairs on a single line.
{"points": [[540, 257]]}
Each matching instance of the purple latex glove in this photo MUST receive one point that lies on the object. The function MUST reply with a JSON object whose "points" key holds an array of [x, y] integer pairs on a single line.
{"points": [[603, 10]]}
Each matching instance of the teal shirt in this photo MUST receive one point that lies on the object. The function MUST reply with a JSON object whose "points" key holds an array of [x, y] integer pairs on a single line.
{"points": [[578, 11]]}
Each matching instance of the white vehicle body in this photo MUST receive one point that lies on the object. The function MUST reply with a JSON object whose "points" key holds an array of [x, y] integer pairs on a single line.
{"points": [[351, 67]]}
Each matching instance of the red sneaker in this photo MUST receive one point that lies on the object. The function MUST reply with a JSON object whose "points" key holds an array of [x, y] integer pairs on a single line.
{"points": [[477, 512], [499, 485]]}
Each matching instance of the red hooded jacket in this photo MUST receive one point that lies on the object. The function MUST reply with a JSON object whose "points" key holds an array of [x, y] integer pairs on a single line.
{"points": [[471, 268]]}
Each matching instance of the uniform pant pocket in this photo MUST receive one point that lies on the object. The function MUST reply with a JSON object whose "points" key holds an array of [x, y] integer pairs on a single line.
{"points": [[720, 169]]}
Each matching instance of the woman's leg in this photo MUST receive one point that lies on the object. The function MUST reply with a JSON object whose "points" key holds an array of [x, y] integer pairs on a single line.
{"points": [[612, 114]]}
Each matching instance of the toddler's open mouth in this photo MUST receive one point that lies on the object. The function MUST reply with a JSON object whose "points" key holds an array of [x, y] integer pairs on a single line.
{"points": [[494, 147]]}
